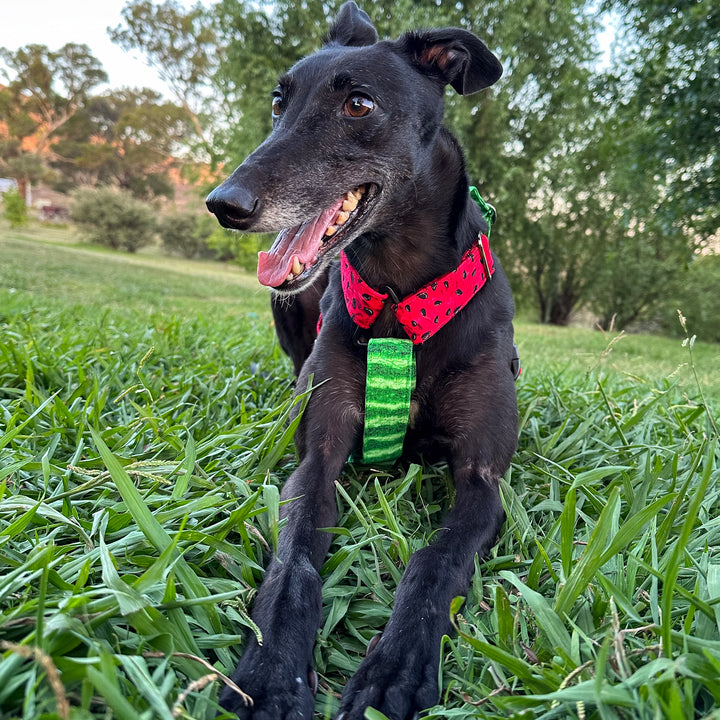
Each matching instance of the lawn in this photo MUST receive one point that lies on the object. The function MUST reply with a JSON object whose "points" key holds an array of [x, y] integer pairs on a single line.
{"points": [[143, 436]]}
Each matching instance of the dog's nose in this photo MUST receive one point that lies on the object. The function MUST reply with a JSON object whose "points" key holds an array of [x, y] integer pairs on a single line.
{"points": [[233, 205]]}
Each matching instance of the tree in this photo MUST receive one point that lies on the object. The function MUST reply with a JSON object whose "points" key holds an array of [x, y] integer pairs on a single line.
{"points": [[580, 219], [647, 246], [47, 89], [130, 138], [181, 46], [668, 69], [661, 124], [529, 143]]}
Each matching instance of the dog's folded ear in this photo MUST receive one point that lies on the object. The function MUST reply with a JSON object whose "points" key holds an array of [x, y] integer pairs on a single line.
{"points": [[352, 26], [454, 56]]}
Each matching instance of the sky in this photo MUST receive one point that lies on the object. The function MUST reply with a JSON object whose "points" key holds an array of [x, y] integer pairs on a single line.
{"points": [[57, 22]]}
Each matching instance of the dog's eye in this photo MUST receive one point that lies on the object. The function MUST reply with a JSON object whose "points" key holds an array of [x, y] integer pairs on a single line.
{"points": [[277, 106], [358, 106]]}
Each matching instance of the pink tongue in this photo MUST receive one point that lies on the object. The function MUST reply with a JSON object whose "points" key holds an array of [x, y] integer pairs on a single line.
{"points": [[302, 242]]}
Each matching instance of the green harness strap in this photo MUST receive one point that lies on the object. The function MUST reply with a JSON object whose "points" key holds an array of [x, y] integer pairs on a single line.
{"points": [[389, 386], [390, 383]]}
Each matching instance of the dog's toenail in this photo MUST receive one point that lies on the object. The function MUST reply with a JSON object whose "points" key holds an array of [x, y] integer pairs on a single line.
{"points": [[313, 682], [373, 643]]}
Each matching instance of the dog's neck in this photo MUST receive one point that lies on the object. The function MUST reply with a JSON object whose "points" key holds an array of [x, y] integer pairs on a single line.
{"points": [[433, 223]]}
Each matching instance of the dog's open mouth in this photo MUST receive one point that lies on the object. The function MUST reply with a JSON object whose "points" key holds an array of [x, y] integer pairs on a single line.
{"points": [[298, 251]]}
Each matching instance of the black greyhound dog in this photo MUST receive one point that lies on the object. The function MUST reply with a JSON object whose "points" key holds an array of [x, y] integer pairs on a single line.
{"points": [[358, 162]]}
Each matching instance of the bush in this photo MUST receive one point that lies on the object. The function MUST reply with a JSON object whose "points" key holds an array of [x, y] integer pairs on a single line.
{"points": [[698, 299], [186, 233], [240, 247], [114, 218], [14, 208]]}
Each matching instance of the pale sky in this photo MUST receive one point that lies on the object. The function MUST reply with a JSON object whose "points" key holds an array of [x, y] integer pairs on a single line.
{"points": [[56, 22]]}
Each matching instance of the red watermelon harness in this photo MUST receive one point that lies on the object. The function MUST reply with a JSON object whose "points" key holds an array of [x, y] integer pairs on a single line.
{"points": [[390, 377], [424, 312]]}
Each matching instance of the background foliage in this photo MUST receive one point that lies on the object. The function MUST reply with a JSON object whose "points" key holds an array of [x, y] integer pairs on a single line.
{"points": [[113, 218], [14, 208], [603, 165]]}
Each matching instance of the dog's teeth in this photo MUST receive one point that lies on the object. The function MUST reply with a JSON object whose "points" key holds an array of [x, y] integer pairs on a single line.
{"points": [[356, 194], [297, 266], [331, 230], [342, 217], [361, 190], [289, 277], [350, 203]]}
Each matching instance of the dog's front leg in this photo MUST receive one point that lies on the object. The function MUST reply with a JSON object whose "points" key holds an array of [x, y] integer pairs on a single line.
{"points": [[278, 673], [399, 676]]}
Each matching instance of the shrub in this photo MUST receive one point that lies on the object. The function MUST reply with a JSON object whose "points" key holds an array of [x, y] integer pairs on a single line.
{"points": [[14, 208], [240, 247], [114, 218], [186, 233], [698, 299]]}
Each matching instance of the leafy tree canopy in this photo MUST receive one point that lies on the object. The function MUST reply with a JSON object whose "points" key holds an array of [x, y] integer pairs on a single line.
{"points": [[46, 89]]}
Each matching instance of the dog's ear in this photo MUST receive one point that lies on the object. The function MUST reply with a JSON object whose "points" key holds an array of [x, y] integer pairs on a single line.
{"points": [[454, 56], [352, 26]]}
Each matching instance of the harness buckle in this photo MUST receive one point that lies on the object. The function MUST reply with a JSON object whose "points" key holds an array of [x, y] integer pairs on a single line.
{"points": [[484, 258], [388, 290]]}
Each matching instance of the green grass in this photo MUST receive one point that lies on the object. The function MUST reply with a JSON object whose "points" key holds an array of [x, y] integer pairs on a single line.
{"points": [[143, 436]]}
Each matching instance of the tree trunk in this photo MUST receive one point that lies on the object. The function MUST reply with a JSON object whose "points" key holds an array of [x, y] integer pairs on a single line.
{"points": [[23, 185]]}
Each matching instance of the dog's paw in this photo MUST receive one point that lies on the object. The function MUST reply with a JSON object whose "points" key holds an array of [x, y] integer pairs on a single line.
{"points": [[280, 692], [398, 679]]}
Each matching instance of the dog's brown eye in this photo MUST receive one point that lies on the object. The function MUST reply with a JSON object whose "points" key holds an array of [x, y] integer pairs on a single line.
{"points": [[358, 106], [277, 106]]}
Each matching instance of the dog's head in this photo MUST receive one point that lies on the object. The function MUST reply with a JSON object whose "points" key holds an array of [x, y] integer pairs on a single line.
{"points": [[352, 124]]}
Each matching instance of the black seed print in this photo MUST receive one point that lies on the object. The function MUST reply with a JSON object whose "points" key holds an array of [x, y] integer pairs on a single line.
{"points": [[438, 302], [423, 312], [354, 304], [458, 292], [407, 307], [433, 285], [366, 297], [422, 295], [369, 312], [426, 335], [446, 284]]}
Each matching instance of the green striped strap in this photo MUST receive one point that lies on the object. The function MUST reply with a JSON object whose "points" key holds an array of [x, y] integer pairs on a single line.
{"points": [[389, 385]]}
